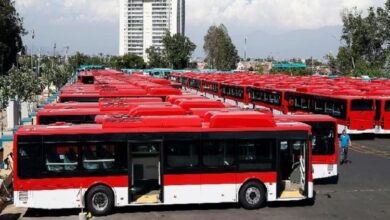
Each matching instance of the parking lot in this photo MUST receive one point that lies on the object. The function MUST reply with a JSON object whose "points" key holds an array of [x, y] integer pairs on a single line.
{"points": [[363, 192]]}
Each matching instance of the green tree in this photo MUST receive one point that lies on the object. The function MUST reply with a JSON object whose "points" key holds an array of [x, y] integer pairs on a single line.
{"points": [[132, 61], [259, 68], [219, 48], [366, 38], [331, 60], [78, 59], [11, 30], [156, 58], [4, 92], [178, 50], [24, 85]]}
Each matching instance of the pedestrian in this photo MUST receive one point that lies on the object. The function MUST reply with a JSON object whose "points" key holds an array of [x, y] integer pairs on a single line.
{"points": [[345, 142]]}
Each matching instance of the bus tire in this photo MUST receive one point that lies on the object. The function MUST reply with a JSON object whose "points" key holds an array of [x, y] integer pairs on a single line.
{"points": [[252, 195], [100, 200]]}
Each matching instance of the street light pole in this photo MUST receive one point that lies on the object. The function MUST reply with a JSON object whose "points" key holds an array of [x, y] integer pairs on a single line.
{"points": [[245, 49], [32, 44]]}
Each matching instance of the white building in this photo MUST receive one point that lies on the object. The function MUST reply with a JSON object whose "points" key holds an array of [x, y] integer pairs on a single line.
{"points": [[143, 23]]}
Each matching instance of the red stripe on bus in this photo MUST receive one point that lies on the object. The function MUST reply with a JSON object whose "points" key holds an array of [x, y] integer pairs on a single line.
{"points": [[69, 183]]}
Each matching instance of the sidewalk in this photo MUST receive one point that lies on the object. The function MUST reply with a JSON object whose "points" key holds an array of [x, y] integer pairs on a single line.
{"points": [[12, 213]]}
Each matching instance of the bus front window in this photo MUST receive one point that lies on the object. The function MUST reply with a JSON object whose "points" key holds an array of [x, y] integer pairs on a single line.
{"points": [[323, 141]]}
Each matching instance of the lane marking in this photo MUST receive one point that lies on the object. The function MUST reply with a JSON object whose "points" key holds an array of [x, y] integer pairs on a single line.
{"points": [[370, 151]]}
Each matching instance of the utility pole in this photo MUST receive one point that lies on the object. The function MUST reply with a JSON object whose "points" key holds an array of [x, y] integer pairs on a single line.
{"points": [[66, 54], [312, 65], [54, 54], [245, 49], [39, 65], [32, 43]]}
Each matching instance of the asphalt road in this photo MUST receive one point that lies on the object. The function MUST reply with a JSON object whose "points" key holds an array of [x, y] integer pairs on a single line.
{"points": [[363, 192]]}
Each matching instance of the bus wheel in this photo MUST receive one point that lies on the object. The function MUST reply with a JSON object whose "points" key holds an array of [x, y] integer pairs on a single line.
{"points": [[100, 200], [252, 195]]}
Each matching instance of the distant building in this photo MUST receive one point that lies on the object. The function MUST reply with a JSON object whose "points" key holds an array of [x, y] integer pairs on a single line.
{"points": [[255, 65], [143, 23]]}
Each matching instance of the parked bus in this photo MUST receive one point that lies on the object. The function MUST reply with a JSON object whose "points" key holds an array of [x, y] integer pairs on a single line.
{"points": [[325, 143], [270, 98], [382, 115], [71, 115], [382, 110], [355, 114], [243, 157], [133, 93]]}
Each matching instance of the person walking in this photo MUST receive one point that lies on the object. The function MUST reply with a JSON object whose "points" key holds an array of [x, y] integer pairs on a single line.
{"points": [[345, 142]]}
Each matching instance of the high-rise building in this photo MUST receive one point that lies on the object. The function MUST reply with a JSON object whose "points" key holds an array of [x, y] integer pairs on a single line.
{"points": [[143, 23]]}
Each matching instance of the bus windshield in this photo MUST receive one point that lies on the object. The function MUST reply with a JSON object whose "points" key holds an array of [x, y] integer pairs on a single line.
{"points": [[362, 105], [323, 142]]}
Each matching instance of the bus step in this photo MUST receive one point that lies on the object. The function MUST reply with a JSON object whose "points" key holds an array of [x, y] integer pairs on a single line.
{"points": [[148, 198], [291, 194]]}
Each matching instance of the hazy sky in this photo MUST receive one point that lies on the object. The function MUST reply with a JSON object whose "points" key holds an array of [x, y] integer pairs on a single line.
{"points": [[280, 28]]}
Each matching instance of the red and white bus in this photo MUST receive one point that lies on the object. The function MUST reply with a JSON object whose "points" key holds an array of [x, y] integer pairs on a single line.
{"points": [[243, 157], [382, 115], [354, 113], [325, 143], [269, 98], [382, 110]]}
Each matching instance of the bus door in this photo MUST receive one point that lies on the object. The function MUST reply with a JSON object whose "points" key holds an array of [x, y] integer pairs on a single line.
{"points": [[144, 170], [378, 110], [292, 169], [385, 114]]}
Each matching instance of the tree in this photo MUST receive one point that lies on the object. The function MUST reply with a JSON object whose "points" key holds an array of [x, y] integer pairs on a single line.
{"points": [[23, 85], [156, 57], [4, 92], [178, 50], [132, 61], [366, 38], [259, 68], [55, 73], [219, 48], [11, 30]]}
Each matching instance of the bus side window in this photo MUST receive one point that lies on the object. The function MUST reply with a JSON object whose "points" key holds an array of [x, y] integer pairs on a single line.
{"points": [[60, 157], [181, 154], [256, 155], [218, 153], [29, 160], [99, 156]]}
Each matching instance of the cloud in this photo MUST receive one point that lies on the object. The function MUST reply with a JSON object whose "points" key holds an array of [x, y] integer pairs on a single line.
{"points": [[69, 11], [73, 22], [272, 14]]}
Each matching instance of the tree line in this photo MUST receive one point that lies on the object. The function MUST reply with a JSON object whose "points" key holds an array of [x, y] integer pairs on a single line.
{"points": [[366, 42]]}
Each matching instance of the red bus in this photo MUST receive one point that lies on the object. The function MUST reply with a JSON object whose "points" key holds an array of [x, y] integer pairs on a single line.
{"points": [[270, 98], [70, 115], [75, 115], [237, 93], [133, 93], [242, 157], [382, 110], [325, 143], [354, 113], [382, 115]]}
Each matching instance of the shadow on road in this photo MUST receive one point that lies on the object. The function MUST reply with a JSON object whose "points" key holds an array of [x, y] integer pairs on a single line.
{"points": [[362, 136], [169, 208], [13, 216], [51, 213], [37, 213]]}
